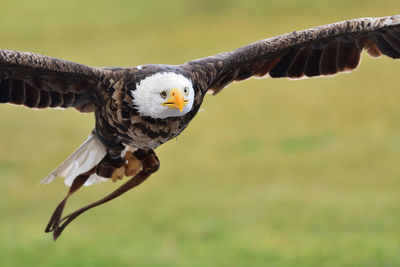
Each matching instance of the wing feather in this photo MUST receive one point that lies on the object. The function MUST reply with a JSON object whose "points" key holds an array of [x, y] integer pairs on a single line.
{"points": [[321, 51], [38, 81]]}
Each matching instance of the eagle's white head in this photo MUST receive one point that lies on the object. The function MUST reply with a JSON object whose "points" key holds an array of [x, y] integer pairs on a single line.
{"points": [[164, 95]]}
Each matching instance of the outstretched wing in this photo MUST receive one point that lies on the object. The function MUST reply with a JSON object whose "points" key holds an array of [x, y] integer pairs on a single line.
{"points": [[324, 50], [38, 81]]}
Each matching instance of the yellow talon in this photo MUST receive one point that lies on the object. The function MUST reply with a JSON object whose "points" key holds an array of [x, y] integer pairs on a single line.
{"points": [[133, 165], [118, 174]]}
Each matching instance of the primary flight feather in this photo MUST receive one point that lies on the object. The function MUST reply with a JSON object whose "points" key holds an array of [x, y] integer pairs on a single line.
{"points": [[139, 108]]}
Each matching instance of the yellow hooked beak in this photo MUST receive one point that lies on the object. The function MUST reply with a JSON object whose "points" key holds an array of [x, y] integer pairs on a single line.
{"points": [[176, 100]]}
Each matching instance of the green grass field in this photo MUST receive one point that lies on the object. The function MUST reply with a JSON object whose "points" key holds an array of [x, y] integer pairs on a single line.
{"points": [[272, 173]]}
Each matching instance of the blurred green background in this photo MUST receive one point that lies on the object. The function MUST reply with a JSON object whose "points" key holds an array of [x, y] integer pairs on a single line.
{"points": [[306, 173]]}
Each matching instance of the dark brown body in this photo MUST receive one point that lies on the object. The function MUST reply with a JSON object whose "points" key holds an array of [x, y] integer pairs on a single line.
{"points": [[120, 124]]}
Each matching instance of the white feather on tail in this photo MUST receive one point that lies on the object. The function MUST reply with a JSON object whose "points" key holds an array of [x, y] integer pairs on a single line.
{"points": [[88, 155]]}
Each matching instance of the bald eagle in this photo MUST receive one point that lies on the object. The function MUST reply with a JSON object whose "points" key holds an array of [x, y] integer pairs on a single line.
{"points": [[137, 109]]}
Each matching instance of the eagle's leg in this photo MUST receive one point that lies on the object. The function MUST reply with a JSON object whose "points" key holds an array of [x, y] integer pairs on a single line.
{"points": [[111, 167], [116, 169], [132, 165], [149, 165]]}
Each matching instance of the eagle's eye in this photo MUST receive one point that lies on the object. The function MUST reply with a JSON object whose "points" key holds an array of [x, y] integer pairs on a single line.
{"points": [[163, 94], [186, 90]]}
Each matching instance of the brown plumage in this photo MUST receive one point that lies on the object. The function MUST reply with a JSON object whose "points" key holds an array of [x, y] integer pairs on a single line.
{"points": [[38, 81]]}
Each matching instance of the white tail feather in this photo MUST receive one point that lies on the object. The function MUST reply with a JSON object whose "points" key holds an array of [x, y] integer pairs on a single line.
{"points": [[88, 155]]}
